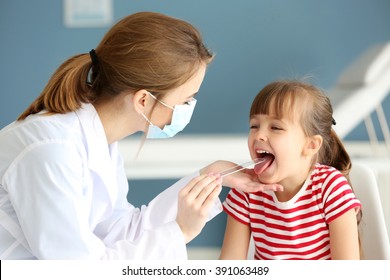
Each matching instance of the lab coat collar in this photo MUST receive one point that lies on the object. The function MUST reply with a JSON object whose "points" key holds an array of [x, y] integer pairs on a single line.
{"points": [[101, 156]]}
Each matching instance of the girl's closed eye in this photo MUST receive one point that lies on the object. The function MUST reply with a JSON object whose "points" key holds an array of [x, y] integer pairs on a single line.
{"points": [[276, 127], [253, 126]]}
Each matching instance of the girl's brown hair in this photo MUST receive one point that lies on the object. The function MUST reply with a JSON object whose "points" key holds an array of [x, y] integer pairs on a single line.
{"points": [[142, 51]]}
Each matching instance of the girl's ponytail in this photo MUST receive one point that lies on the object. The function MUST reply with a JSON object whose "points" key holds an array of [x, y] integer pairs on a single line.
{"points": [[338, 155]]}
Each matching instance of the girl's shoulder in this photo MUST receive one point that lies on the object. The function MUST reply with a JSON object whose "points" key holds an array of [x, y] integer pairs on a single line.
{"points": [[319, 167], [324, 178], [324, 171]]}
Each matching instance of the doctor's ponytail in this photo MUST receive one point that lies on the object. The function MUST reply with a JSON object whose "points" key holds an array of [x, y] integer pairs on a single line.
{"points": [[144, 50], [66, 90]]}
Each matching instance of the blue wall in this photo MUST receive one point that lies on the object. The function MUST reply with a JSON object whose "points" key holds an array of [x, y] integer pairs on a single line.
{"points": [[255, 41]]}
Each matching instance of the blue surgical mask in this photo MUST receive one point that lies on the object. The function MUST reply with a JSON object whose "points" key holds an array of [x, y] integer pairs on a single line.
{"points": [[181, 116]]}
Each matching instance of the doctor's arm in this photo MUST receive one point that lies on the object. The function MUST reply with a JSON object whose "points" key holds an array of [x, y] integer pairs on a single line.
{"points": [[173, 218], [63, 216]]}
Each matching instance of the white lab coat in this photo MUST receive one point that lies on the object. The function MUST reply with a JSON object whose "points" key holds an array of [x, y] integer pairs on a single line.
{"points": [[63, 196]]}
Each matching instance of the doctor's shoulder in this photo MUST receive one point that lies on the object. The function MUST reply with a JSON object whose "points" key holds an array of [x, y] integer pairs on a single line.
{"points": [[40, 140], [39, 130], [42, 127]]}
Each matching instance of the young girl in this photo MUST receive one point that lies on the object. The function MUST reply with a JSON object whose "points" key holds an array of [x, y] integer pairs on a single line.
{"points": [[315, 217]]}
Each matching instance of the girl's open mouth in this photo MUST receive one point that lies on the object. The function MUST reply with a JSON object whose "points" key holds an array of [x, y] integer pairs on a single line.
{"points": [[268, 159]]}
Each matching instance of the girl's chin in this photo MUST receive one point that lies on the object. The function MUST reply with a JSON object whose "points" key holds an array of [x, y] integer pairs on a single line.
{"points": [[266, 179]]}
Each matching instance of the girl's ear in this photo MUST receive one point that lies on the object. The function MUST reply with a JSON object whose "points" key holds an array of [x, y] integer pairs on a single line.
{"points": [[313, 145]]}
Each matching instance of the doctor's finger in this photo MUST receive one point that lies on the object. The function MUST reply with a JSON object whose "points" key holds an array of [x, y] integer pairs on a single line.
{"points": [[204, 187], [189, 193], [201, 204], [211, 198], [184, 191], [207, 192]]}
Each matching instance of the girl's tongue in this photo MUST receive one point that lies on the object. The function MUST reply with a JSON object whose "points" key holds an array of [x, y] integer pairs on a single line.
{"points": [[268, 159]]}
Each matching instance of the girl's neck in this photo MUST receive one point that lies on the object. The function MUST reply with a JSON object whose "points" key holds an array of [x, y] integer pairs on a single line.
{"points": [[292, 185]]}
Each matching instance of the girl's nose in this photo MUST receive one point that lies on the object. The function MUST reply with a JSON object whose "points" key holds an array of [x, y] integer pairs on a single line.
{"points": [[261, 136]]}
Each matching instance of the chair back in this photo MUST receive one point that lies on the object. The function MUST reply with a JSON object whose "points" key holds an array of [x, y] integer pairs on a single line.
{"points": [[373, 232]]}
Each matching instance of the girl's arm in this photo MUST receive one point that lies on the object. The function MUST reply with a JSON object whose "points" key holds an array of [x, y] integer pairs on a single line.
{"points": [[344, 243], [236, 240]]}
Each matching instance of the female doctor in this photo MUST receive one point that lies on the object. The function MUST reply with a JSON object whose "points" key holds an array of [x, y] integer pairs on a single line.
{"points": [[62, 182]]}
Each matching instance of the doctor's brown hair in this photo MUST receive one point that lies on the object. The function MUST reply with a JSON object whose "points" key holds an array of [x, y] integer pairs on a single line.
{"points": [[292, 99], [145, 50]]}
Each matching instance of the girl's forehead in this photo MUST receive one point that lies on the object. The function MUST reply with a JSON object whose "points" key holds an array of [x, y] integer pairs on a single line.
{"points": [[289, 108], [293, 119], [282, 103]]}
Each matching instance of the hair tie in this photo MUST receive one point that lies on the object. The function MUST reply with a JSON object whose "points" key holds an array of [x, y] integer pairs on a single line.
{"points": [[94, 57], [333, 121]]}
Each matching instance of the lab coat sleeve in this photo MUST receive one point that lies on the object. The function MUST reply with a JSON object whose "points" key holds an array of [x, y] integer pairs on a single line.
{"points": [[150, 225], [163, 208], [47, 188]]}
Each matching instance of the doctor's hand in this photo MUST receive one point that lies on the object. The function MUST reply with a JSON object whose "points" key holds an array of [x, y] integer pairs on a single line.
{"points": [[195, 199], [246, 180]]}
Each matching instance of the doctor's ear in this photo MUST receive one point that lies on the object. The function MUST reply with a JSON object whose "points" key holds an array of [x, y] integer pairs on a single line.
{"points": [[313, 145], [141, 100]]}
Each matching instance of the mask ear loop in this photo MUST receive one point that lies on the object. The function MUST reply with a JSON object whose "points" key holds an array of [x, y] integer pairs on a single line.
{"points": [[144, 137], [143, 115], [150, 123], [163, 103]]}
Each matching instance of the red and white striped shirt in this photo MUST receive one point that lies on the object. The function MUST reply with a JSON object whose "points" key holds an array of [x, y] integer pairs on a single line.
{"points": [[298, 228]]}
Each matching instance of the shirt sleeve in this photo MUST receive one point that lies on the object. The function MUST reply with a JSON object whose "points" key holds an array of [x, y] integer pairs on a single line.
{"points": [[236, 205], [338, 196]]}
